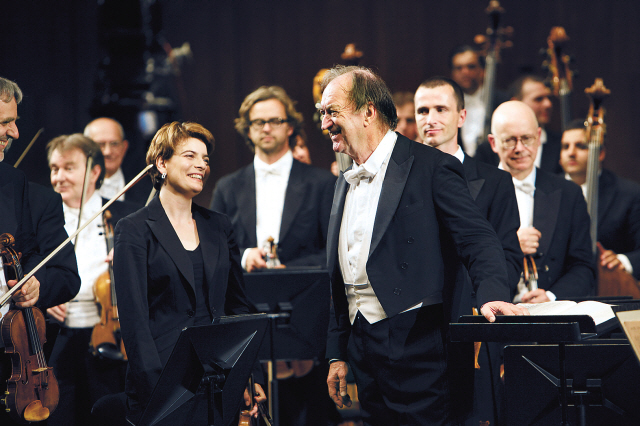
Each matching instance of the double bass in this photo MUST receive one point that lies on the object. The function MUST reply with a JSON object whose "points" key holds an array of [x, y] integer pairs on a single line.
{"points": [[106, 340], [560, 73], [32, 389], [610, 282], [492, 43]]}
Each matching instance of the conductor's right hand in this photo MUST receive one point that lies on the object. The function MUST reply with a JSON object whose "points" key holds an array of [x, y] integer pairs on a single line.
{"points": [[255, 259], [337, 382]]}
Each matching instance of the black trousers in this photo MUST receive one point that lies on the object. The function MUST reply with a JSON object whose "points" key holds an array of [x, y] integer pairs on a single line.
{"points": [[82, 377], [400, 368]]}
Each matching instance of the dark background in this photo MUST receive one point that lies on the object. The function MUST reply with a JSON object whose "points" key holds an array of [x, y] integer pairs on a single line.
{"points": [[53, 51]]}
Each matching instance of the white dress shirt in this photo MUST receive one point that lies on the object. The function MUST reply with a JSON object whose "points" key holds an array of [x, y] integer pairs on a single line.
{"points": [[91, 252], [474, 123], [271, 187], [3, 289], [112, 185], [543, 140], [356, 229]]}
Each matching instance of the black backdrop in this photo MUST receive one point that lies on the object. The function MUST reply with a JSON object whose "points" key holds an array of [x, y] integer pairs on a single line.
{"points": [[52, 50]]}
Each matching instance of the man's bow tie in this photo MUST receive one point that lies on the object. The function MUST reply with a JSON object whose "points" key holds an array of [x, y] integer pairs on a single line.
{"points": [[525, 187], [265, 171], [356, 174]]}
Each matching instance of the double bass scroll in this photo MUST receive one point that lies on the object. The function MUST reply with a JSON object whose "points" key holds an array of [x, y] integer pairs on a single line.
{"points": [[560, 74]]}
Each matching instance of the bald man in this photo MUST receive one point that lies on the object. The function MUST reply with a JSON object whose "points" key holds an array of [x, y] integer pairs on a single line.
{"points": [[554, 223], [109, 135]]}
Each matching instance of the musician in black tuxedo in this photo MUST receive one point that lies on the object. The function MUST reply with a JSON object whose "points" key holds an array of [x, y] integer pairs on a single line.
{"points": [[393, 270], [109, 135], [176, 264], [618, 202], [554, 223], [440, 111], [276, 196], [532, 90]]}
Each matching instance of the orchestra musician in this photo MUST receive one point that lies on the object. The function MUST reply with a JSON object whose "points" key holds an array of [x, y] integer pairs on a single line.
{"points": [[82, 377], [392, 269], [406, 115], [440, 111], [275, 196], [109, 135], [467, 69], [176, 265], [15, 218], [533, 91], [554, 223], [618, 202], [280, 197]]}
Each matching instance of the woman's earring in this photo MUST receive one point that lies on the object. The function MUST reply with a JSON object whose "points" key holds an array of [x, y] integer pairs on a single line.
{"points": [[164, 175]]}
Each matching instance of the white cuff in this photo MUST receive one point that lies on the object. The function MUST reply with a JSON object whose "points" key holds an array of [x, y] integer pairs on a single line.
{"points": [[625, 262]]}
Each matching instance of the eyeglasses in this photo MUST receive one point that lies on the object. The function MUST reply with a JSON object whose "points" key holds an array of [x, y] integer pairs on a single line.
{"points": [[112, 145], [527, 140], [273, 123]]}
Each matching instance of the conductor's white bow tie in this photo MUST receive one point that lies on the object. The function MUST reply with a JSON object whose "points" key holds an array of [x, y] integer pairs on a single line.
{"points": [[358, 173]]}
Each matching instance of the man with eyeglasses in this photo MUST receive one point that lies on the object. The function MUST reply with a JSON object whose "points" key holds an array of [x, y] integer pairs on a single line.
{"points": [[279, 197], [109, 135], [533, 91], [554, 223], [276, 196]]}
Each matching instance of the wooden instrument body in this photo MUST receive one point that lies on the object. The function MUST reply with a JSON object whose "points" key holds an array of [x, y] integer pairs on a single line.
{"points": [[105, 337], [32, 389]]}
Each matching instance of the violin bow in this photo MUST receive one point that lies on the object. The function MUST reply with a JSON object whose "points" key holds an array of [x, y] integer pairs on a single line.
{"points": [[28, 148], [7, 296]]}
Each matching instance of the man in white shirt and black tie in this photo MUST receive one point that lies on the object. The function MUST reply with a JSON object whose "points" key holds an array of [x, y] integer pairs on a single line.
{"points": [[554, 223]]}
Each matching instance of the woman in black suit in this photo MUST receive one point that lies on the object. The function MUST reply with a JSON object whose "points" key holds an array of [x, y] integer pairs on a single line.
{"points": [[176, 264]]}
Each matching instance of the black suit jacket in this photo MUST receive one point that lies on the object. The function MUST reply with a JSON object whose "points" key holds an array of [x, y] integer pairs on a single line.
{"points": [[564, 260], [156, 289], [619, 217], [138, 193], [425, 223], [63, 281], [549, 162], [493, 191], [305, 216]]}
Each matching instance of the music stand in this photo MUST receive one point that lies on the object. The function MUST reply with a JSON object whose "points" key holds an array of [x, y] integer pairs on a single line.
{"points": [[602, 384], [219, 356], [304, 294], [558, 329]]}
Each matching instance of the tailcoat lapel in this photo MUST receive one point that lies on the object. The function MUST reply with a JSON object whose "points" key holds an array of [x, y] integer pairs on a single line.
{"points": [[335, 220], [293, 199], [474, 183], [546, 207], [392, 188]]}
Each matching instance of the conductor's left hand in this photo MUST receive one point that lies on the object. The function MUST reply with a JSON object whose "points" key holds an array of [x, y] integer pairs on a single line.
{"points": [[491, 309]]}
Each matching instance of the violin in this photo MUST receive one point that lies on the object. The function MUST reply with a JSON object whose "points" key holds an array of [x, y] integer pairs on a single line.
{"points": [[106, 341], [32, 390], [245, 418]]}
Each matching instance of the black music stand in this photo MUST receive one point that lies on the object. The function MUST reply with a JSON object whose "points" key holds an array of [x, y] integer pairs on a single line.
{"points": [[304, 294], [219, 356], [557, 329], [602, 384]]}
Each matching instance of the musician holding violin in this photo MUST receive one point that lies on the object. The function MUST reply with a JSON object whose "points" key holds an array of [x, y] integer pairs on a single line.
{"points": [[82, 376], [176, 265]]}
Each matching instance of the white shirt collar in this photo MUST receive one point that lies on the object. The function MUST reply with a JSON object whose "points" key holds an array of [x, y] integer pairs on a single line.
{"points": [[382, 151], [459, 154], [281, 167]]}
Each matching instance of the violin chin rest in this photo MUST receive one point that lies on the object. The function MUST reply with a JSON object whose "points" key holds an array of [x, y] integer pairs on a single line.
{"points": [[35, 412], [110, 351]]}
